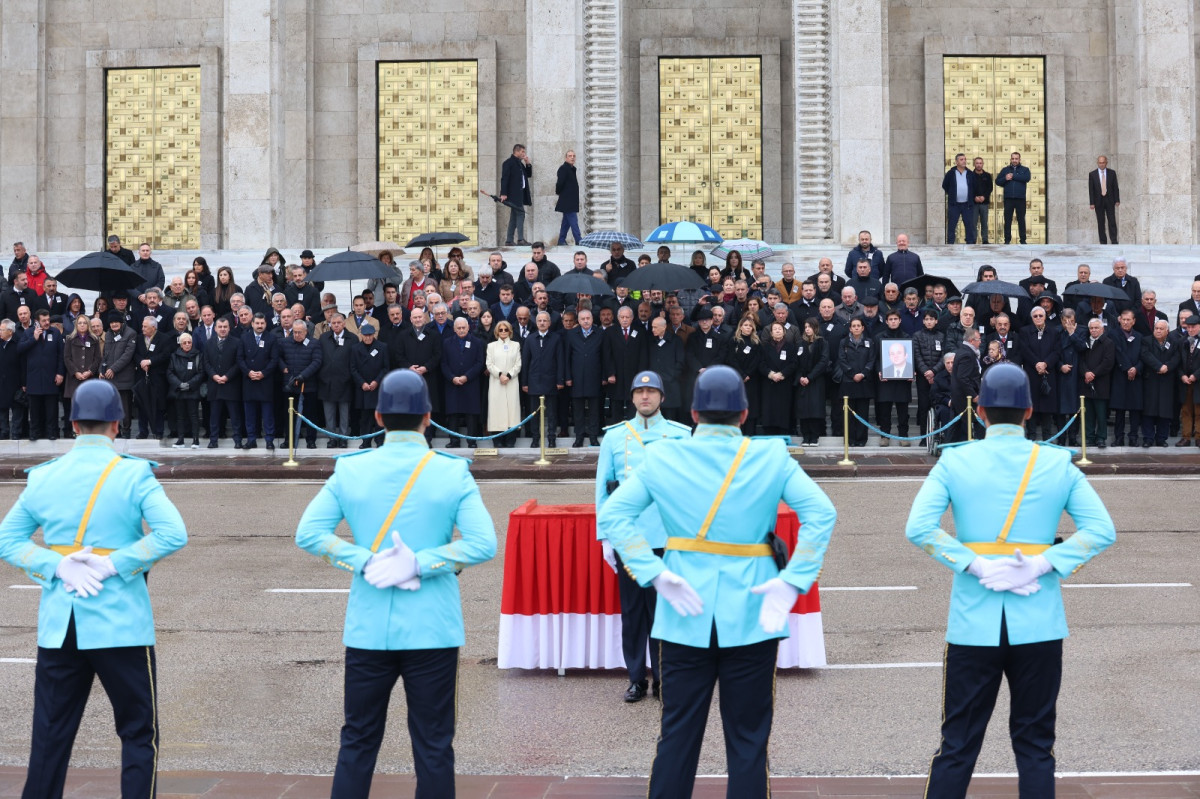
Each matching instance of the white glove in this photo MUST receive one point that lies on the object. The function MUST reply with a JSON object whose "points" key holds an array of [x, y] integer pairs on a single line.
{"points": [[778, 599], [390, 568], [1016, 572], [610, 557], [982, 567], [100, 563], [77, 575], [1026, 590], [673, 588]]}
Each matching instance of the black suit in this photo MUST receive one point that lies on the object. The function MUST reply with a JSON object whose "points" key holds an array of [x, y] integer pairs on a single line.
{"points": [[1105, 204], [150, 386], [222, 359], [583, 370], [411, 347], [623, 357], [543, 371], [514, 185], [964, 382]]}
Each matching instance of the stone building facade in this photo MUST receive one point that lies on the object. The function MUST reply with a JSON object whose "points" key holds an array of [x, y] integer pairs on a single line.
{"points": [[850, 122]]}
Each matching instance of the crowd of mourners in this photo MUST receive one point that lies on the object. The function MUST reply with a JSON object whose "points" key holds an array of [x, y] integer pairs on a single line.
{"points": [[209, 355]]}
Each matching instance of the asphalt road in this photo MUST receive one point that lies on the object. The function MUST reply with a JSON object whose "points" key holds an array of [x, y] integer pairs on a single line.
{"points": [[251, 680]]}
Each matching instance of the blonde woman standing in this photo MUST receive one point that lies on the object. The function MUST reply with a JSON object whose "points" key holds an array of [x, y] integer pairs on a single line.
{"points": [[504, 395]]}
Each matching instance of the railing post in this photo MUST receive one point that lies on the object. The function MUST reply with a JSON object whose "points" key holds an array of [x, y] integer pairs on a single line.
{"points": [[291, 461], [1083, 458], [542, 460], [845, 461], [970, 420]]}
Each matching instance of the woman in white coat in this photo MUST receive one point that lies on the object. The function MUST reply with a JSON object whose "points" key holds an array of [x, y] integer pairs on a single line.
{"points": [[504, 393]]}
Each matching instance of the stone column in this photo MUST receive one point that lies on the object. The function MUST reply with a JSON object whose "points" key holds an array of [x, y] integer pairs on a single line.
{"points": [[296, 199], [252, 143], [1155, 108], [861, 122], [22, 139], [553, 112]]}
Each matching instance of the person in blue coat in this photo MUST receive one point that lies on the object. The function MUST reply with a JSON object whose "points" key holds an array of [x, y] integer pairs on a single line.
{"points": [[1006, 611], [258, 362], [94, 618], [404, 617], [42, 350], [1014, 179], [621, 451], [723, 602]]}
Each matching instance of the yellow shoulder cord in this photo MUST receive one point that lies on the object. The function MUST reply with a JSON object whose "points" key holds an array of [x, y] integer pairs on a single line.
{"points": [[712, 511], [412, 479], [1012, 512], [87, 512], [635, 433]]}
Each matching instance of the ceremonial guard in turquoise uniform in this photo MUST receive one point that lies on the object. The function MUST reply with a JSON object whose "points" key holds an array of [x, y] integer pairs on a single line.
{"points": [[94, 618], [723, 600], [621, 451], [1006, 611], [404, 617]]}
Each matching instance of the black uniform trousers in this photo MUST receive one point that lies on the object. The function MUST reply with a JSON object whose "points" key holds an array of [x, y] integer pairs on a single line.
{"points": [[971, 681], [62, 685], [746, 675], [637, 620], [430, 690]]}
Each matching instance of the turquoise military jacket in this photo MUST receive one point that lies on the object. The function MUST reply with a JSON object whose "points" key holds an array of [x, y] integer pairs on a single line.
{"points": [[54, 500], [979, 482], [683, 477], [443, 497], [621, 451]]}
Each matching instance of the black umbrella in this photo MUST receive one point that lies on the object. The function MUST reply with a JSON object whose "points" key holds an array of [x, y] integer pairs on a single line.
{"points": [[579, 283], [434, 239], [100, 271], [1096, 290], [1000, 287], [351, 265], [667, 277], [919, 283]]}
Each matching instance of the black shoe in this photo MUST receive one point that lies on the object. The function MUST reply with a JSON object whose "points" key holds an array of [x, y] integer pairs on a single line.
{"points": [[331, 444], [311, 444], [523, 243], [343, 443], [454, 444], [656, 690], [471, 444], [178, 442], [578, 443], [143, 436], [1119, 441], [52, 438], [509, 244], [1147, 444], [365, 444], [251, 444], [270, 445], [212, 444], [636, 692], [1133, 442], [551, 443], [595, 442], [1102, 445]]}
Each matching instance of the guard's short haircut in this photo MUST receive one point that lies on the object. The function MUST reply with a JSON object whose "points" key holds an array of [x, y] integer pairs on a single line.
{"points": [[401, 421], [731, 418], [1006, 416]]}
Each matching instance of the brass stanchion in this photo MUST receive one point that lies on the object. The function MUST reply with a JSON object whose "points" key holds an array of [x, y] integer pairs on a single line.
{"points": [[845, 461], [291, 461], [1083, 458], [970, 420], [542, 461]]}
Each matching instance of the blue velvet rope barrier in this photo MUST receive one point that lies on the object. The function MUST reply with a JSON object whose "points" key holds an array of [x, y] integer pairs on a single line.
{"points": [[941, 429], [332, 434]]}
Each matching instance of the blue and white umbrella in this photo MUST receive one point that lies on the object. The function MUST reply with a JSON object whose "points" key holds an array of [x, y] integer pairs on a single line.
{"points": [[602, 238], [750, 249], [683, 233]]}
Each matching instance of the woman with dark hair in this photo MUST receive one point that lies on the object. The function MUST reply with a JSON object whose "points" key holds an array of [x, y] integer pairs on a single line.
{"points": [[193, 285], [746, 357], [856, 375], [101, 306], [812, 365], [203, 274], [734, 267], [777, 368], [225, 289]]}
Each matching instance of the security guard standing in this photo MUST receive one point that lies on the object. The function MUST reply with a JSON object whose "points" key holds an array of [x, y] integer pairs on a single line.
{"points": [[718, 494], [621, 451], [404, 617], [90, 505], [1006, 610]]}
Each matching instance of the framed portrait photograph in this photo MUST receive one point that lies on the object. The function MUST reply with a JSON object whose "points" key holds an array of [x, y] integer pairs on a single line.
{"points": [[896, 358]]}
